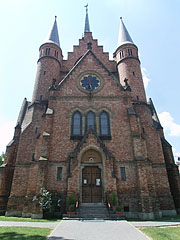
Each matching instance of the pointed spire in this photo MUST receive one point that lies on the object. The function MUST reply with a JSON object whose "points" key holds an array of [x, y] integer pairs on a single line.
{"points": [[87, 26], [53, 36], [124, 36]]}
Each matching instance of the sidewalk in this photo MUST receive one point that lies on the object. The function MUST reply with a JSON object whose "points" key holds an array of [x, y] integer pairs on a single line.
{"points": [[96, 230]]}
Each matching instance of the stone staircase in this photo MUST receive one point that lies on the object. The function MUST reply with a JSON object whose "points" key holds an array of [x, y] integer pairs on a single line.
{"points": [[93, 211], [90, 211]]}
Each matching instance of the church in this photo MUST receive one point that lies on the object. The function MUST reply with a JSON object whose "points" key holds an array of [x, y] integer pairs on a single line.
{"points": [[90, 131]]}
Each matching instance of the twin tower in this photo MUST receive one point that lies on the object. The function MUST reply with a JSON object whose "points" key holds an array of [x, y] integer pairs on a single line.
{"points": [[52, 67]]}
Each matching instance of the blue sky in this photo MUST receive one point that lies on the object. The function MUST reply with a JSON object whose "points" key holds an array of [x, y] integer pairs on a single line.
{"points": [[153, 25]]}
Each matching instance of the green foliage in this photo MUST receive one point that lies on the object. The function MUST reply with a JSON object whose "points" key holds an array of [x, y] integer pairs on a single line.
{"points": [[113, 199], [50, 202], [71, 208], [118, 208], [44, 199], [24, 233], [71, 199], [2, 158], [162, 233]]}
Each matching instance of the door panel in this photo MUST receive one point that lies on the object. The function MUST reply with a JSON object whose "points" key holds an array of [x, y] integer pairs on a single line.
{"points": [[91, 185]]}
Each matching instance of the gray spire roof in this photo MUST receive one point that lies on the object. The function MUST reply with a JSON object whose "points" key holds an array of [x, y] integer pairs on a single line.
{"points": [[87, 26], [124, 36], [53, 36]]}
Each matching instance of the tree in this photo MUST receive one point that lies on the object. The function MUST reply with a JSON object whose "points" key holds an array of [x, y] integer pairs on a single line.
{"points": [[2, 158]]}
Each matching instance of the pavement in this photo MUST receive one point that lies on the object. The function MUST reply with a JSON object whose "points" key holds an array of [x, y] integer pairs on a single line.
{"points": [[94, 229]]}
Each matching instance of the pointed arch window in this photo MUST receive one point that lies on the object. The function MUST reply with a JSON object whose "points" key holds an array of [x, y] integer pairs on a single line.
{"points": [[91, 120], [76, 132], [104, 125]]}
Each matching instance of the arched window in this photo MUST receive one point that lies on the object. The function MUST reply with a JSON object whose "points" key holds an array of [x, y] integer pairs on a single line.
{"points": [[91, 121], [76, 125], [104, 125]]}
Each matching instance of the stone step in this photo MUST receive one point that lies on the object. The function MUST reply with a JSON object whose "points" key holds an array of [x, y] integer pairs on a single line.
{"points": [[93, 210]]}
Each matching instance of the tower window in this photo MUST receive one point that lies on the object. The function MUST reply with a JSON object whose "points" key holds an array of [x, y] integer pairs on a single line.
{"points": [[121, 54], [133, 73], [129, 52], [104, 125], [47, 51], [76, 131], [59, 173], [56, 53], [90, 121], [123, 173]]}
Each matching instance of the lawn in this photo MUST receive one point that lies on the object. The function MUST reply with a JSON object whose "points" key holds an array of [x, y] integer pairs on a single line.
{"points": [[24, 233], [20, 219], [162, 233]]}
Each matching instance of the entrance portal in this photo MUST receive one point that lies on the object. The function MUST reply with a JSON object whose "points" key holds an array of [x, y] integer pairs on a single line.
{"points": [[91, 185]]}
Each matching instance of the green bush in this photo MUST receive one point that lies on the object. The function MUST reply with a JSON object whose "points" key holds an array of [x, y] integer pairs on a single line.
{"points": [[113, 199]]}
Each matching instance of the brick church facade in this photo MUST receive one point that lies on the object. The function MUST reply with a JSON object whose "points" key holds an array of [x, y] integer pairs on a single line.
{"points": [[89, 130]]}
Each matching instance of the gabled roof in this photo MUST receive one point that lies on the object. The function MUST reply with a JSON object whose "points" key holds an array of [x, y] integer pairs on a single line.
{"points": [[102, 145], [53, 36], [89, 51], [124, 36]]}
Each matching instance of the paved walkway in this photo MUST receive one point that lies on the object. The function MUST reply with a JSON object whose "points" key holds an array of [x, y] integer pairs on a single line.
{"points": [[96, 230]]}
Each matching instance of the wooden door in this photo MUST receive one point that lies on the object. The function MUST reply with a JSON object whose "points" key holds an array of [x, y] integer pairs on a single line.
{"points": [[91, 185]]}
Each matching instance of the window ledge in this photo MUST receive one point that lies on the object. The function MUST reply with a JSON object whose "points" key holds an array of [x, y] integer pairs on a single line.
{"points": [[76, 137], [105, 137]]}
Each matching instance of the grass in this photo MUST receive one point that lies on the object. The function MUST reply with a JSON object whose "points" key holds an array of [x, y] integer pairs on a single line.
{"points": [[162, 233], [20, 219], [170, 218], [25, 233]]}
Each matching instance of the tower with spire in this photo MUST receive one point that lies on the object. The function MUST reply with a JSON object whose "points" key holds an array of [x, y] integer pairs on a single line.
{"points": [[90, 134], [128, 63], [49, 64]]}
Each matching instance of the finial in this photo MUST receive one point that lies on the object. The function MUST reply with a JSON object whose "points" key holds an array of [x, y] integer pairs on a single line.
{"points": [[120, 17], [86, 7], [55, 17]]}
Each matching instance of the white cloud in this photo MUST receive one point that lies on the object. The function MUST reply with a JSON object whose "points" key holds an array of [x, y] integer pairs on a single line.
{"points": [[169, 125], [146, 80], [7, 131]]}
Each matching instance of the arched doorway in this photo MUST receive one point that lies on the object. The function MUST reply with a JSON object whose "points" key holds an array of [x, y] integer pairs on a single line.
{"points": [[91, 177]]}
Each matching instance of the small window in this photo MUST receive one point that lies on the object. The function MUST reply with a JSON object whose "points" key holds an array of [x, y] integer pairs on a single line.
{"points": [[130, 52], [59, 173], [133, 73], [33, 156], [121, 54], [123, 173], [90, 121], [47, 51]]}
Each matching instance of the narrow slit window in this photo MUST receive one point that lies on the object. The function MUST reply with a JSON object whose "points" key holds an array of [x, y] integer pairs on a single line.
{"points": [[130, 52], [59, 173], [123, 173]]}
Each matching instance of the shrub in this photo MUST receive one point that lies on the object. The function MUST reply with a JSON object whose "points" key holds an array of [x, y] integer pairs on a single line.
{"points": [[113, 199]]}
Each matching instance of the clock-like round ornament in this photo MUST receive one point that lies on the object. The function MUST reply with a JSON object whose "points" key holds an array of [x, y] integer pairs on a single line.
{"points": [[89, 82]]}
